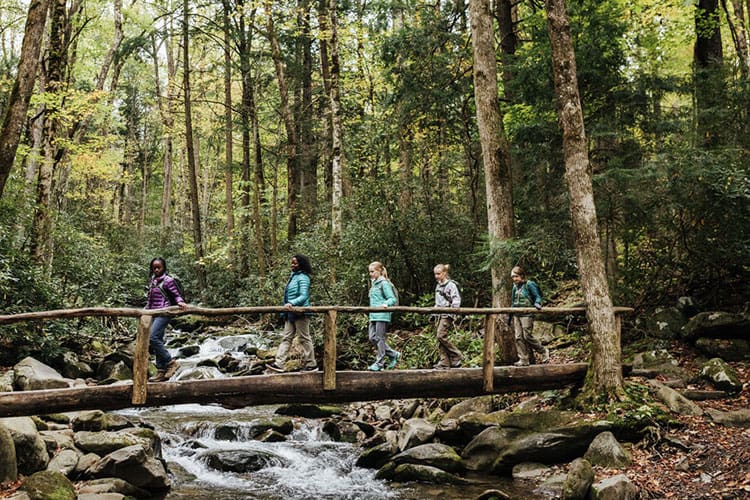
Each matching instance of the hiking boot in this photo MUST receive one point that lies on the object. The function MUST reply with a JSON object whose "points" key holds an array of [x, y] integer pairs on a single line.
{"points": [[159, 377], [394, 361], [275, 368], [457, 364], [441, 366], [310, 369], [375, 368], [171, 369], [521, 363], [545, 355]]}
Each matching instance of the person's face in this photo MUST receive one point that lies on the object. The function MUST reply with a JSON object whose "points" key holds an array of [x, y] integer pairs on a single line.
{"points": [[439, 276], [295, 264], [374, 273], [516, 279], [157, 268]]}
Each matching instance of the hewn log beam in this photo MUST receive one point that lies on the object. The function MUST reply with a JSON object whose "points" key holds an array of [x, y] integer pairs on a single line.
{"points": [[297, 388]]}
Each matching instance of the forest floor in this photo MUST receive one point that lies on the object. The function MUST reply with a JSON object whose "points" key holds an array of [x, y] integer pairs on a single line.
{"points": [[695, 458]]}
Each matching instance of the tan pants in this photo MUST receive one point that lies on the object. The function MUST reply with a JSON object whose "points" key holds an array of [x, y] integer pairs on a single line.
{"points": [[300, 327], [526, 343]]}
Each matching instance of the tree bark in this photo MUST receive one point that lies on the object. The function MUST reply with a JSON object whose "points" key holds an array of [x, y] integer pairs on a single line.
{"points": [[228, 141], [337, 153], [496, 158], [191, 161], [14, 118], [738, 28], [708, 59], [604, 379]]}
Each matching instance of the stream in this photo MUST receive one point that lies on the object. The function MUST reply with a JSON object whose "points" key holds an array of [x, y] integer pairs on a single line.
{"points": [[309, 464]]}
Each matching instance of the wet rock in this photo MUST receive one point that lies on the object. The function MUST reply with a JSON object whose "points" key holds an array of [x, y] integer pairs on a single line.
{"points": [[579, 479], [432, 454], [199, 373], [31, 450], [189, 350], [97, 420], [343, 431], [414, 432], [64, 462], [271, 436], [494, 495], [8, 467], [606, 451], [242, 461], [114, 371], [426, 474], [238, 431], [528, 470], [134, 465], [618, 487], [377, 456], [309, 410], [111, 485], [105, 442], [721, 375], [84, 462], [481, 452], [48, 485]]}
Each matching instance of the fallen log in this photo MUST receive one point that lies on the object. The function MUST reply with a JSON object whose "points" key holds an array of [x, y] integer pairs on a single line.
{"points": [[254, 390]]}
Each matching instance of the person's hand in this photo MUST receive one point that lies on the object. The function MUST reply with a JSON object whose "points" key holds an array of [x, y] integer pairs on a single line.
{"points": [[538, 307], [288, 305], [183, 305]]}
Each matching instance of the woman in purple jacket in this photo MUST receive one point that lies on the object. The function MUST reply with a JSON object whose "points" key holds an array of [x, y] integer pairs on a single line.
{"points": [[161, 286]]}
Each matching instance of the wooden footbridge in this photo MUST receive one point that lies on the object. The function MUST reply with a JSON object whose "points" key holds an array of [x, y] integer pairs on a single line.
{"points": [[328, 386]]}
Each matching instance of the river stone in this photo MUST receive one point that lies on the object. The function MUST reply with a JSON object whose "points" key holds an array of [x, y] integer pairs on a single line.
{"points": [[433, 454], [617, 487], [49, 485], [579, 479], [425, 473], [58, 440], [343, 431], [72, 367], [6, 380], [111, 485], [309, 410], [606, 451], [480, 404], [557, 445], [271, 436], [31, 451], [97, 420], [86, 461], [528, 470], [133, 465], [482, 451], [106, 442], [32, 375], [414, 432], [675, 401], [8, 467], [721, 375], [377, 456], [65, 462], [114, 371], [242, 461]]}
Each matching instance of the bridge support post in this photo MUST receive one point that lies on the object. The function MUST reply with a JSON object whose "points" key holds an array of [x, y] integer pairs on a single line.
{"points": [[488, 356], [329, 352], [140, 360]]}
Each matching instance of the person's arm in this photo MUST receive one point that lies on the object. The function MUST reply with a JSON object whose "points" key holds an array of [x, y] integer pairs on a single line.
{"points": [[170, 285], [536, 295], [390, 297]]}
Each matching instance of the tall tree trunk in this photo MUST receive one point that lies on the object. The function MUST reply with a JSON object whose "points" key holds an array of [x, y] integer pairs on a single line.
{"points": [[337, 153], [604, 379], [307, 142], [325, 104], [738, 27], [228, 141], [190, 150], [14, 118], [496, 158], [292, 166], [709, 80]]}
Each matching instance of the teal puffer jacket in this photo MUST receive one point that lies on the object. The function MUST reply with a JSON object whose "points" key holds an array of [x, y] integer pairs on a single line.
{"points": [[381, 294]]}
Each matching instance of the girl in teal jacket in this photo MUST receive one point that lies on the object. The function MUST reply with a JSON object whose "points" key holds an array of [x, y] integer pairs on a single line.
{"points": [[381, 295]]}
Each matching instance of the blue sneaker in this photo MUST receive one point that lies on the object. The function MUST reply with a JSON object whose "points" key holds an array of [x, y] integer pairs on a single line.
{"points": [[375, 367], [394, 361]]}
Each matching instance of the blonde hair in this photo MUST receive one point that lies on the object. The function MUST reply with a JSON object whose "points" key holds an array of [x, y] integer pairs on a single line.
{"points": [[378, 266], [442, 268]]}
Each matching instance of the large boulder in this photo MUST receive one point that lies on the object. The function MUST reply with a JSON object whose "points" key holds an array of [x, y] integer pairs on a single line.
{"points": [[8, 467], [100, 487], [242, 461], [65, 462], [721, 375], [33, 375], [49, 485], [425, 474], [659, 360], [433, 454], [606, 451], [105, 442], [377, 456], [73, 368], [666, 322], [97, 420], [134, 465], [31, 450], [414, 432], [718, 325], [482, 451], [726, 349], [240, 431]]}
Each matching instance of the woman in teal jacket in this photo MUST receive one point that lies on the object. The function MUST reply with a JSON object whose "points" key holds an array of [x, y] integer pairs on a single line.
{"points": [[297, 294], [381, 295]]}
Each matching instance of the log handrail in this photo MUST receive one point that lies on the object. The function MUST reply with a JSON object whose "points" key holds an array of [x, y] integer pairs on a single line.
{"points": [[145, 316]]}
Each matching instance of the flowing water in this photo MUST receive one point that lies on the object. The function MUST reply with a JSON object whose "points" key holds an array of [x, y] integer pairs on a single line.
{"points": [[308, 465]]}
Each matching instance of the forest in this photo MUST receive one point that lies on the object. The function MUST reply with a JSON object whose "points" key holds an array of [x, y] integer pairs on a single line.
{"points": [[229, 136]]}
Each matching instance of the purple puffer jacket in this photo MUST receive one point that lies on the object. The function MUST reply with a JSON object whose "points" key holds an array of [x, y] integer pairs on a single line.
{"points": [[156, 299]]}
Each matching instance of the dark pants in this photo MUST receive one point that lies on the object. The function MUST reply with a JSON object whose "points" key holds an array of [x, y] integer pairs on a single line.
{"points": [[449, 353], [156, 342]]}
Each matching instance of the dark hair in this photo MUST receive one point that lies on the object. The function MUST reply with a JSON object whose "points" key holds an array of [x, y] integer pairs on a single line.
{"points": [[157, 259], [304, 263]]}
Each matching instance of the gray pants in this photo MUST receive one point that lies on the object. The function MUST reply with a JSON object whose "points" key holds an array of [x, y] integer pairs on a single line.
{"points": [[300, 327], [526, 343], [377, 332]]}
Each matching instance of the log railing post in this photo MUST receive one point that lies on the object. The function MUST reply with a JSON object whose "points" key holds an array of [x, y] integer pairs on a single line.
{"points": [[140, 360], [329, 352], [488, 356]]}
